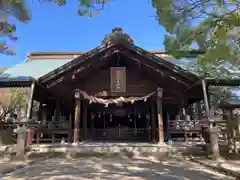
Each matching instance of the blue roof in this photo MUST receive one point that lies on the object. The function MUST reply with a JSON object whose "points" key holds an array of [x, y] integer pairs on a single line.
{"points": [[19, 78], [33, 68]]}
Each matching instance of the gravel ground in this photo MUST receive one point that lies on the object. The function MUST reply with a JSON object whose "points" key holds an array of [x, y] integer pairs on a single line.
{"points": [[118, 168]]}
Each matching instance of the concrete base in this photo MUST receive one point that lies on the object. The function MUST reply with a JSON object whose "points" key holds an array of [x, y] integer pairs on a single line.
{"points": [[92, 148]]}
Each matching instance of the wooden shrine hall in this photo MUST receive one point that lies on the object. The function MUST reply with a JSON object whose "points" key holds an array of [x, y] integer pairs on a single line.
{"points": [[116, 91]]}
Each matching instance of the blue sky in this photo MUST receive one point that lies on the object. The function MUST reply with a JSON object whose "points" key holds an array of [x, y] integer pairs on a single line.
{"points": [[54, 28]]}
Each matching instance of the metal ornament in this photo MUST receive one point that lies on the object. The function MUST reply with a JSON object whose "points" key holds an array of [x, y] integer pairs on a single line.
{"points": [[110, 117], [92, 116]]}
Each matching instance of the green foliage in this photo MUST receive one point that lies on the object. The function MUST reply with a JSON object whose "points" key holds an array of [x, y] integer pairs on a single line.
{"points": [[220, 94], [217, 93], [13, 101], [10, 8], [203, 25], [85, 7], [18, 99]]}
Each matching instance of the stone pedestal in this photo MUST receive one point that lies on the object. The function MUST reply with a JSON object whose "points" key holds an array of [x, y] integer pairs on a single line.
{"points": [[214, 142], [21, 141]]}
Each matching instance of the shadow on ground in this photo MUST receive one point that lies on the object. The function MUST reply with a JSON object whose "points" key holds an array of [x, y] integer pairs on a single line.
{"points": [[108, 168]]}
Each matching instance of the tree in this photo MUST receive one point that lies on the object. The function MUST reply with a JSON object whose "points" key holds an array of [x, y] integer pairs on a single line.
{"points": [[18, 10], [218, 94], [12, 101], [117, 34], [208, 26]]}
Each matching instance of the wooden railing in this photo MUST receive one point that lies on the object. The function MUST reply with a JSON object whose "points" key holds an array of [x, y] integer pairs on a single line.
{"points": [[192, 129], [53, 132], [187, 129]]}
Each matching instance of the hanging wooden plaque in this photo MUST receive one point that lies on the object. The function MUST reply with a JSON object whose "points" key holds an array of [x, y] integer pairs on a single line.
{"points": [[118, 79]]}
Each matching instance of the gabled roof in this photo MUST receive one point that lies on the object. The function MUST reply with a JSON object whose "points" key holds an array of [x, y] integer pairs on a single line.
{"points": [[118, 45]]}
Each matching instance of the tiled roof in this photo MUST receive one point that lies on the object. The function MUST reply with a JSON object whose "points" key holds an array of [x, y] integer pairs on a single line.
{"points": [[40, 66], [34, 69]]}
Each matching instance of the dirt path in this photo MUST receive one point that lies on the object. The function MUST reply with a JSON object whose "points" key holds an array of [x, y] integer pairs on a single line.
{"points": [[114, 168]]}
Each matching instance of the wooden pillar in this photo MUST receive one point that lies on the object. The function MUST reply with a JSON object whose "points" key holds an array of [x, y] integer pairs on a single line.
{"points": [[40, 112], [85, 104], [147, 125], [56, 117], [153, 123], [199, 110], [93, 125], [77, 116], [104, 123], [70, 127], [159, 116], [168, 133], [30, 101], [57, 110], [135, 122]]}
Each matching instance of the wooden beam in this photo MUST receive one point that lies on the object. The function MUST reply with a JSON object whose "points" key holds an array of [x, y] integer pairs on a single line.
{"points": [[153, 123], [169, 85], [157, 67], [78, 63]]}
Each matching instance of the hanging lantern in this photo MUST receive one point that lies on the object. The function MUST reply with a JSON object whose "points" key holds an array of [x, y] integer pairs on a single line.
{"points": [[92, 116], [147, 116], [76, 93], [110, 117]]}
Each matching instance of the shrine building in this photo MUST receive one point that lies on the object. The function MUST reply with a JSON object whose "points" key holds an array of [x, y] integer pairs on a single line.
{"points": [[117, 91]]}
